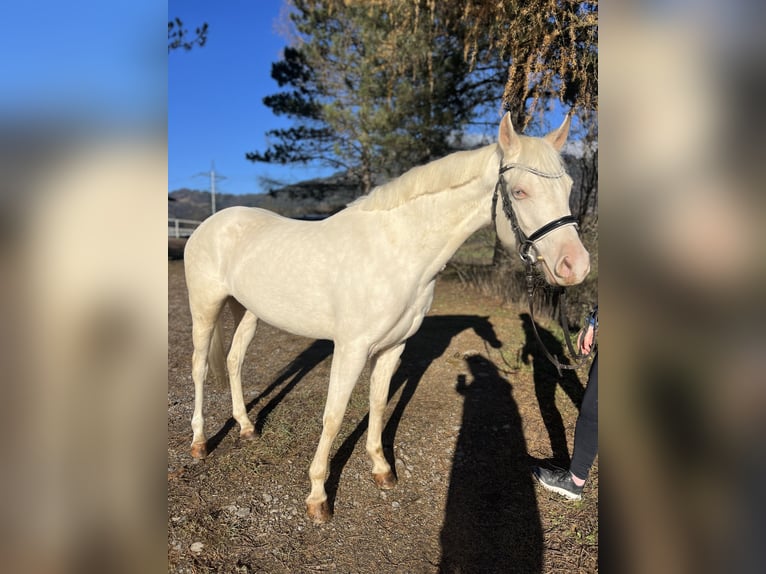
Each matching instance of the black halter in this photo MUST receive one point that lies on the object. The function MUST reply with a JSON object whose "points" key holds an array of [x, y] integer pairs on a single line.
{"points": [[526, 243]]}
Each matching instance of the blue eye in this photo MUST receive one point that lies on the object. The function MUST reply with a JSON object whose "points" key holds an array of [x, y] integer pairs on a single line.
{"points": [[519, 193]]}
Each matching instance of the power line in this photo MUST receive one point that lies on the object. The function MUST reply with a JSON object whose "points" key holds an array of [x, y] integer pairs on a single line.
{"points": [[213, 177]]}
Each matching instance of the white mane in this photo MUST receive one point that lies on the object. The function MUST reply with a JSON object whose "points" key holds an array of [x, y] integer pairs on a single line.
{"points": [[449, 172]]}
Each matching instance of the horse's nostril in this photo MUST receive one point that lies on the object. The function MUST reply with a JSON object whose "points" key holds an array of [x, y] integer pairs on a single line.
{"points": [[564, 267]]}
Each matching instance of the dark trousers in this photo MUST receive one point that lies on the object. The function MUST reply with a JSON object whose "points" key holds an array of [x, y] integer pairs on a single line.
{"points": [[586, 428]]}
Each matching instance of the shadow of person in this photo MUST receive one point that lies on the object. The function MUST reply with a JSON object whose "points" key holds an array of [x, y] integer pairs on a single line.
{"points": [[546, 380], [428, 344], [491, 523]]}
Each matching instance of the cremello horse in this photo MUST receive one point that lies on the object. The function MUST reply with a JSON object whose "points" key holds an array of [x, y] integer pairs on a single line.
{"points": [[364, 277]]}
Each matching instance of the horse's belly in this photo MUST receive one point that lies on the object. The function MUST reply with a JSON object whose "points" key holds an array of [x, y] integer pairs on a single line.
{"points": [[288, 309]]}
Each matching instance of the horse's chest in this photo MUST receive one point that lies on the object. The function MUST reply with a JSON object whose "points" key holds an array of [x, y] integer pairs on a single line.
{"points": [[412, 316]]}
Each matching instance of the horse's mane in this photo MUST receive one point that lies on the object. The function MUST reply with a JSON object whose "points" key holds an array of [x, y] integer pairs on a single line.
{"points": [[439, 175], [453, 171]]}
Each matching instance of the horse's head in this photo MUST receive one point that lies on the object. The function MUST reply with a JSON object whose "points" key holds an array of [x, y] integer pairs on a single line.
{"points": [[532, 204]]}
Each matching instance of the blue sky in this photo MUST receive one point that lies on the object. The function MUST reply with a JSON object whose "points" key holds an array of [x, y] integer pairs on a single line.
{"points": [[83, 61], [215, 93]]}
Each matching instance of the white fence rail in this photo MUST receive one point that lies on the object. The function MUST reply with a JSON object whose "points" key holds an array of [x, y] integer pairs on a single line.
{"points": [[179, 228]]}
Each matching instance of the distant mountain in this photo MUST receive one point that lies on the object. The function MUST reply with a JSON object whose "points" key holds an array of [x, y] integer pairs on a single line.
{"points": [[308, 199], [195, 204]]}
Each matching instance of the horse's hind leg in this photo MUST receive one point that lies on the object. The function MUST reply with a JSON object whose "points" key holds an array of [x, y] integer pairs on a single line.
{"points": [[347, 365], [242, 337], [383, 368], [204, 313]]}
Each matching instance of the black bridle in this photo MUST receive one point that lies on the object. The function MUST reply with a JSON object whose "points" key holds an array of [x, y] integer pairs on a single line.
{"points": [[524, 245]]}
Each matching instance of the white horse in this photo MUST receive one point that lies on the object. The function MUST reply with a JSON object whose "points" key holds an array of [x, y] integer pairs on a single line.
{"points": [[364, 277]]}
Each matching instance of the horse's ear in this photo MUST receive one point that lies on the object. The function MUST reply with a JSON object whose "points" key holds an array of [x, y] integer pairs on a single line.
{"points": [[508, 139], [558, 137]]}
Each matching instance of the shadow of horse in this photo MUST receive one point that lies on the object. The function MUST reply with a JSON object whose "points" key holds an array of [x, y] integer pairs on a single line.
{"points": [[546, 380], [428, 344], [491, 522], [298, 368]]}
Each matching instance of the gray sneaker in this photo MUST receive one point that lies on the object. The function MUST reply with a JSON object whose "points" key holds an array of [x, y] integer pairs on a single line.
{"points": [[559, 481]]}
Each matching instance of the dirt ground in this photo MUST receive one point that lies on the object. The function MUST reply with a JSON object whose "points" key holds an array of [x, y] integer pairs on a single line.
{"points": [[472, 406]]}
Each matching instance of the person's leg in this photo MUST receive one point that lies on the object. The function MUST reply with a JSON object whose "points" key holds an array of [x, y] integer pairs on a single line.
{"points": [[586, 428], [569, 483]]}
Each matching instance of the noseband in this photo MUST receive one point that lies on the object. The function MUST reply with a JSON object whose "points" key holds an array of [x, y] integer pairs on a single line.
{"points": [[525, 243]]}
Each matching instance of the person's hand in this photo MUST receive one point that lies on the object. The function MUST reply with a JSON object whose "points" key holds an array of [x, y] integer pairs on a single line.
{"points": [[585, 339]]}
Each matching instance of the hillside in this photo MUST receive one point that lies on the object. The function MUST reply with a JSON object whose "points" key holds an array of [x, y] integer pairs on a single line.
{"points": [[311, 198]]}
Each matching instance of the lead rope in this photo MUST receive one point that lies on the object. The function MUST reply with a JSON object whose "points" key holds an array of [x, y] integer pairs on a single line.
{"points": [[578, 358]]}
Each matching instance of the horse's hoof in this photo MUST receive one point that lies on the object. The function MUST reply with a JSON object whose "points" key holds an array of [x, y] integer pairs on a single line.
{"points": [[199, 450], [385, 480], [248, 434], [318, 512]]}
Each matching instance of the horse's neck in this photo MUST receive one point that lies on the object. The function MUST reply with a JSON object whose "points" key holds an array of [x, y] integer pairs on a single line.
{"points": [[446, 220]]}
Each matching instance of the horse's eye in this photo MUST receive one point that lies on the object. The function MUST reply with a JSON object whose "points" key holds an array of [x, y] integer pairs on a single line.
{"points": [[519, 193]]}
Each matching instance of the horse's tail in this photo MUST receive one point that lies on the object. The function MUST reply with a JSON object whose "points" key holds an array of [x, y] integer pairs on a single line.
{"points": [[216, 358]]}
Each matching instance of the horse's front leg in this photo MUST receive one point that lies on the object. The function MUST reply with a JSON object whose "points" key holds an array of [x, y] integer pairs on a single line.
{"points": [[347, 365], [383, 369]]}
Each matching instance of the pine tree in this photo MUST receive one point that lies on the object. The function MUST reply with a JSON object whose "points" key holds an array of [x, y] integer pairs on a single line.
{"points": [[374, 89]]}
